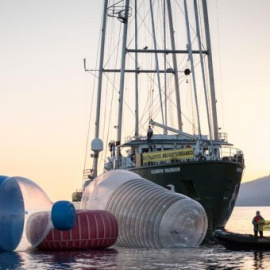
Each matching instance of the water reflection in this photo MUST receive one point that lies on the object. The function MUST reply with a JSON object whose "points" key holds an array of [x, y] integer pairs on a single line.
{"points": [[91, 259], [258, 259], [10, 260], [208, 258]]}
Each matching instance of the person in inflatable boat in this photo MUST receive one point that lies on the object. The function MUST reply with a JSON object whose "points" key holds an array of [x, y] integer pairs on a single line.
{"points": [[255, 222]]}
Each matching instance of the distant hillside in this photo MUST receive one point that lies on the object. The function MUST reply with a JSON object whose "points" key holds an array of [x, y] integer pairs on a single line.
{"points": [[255, 193]]}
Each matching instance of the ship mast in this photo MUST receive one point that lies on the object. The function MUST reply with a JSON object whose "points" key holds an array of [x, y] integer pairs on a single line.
{"points": [[122, 73], [211, 70], [202, 69], [176, 78], [156, 60], [136, 75], [190, 57], [96, 144]]}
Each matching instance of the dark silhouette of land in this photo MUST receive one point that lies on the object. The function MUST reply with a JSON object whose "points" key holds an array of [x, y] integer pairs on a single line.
{"points": [[255, 193]]}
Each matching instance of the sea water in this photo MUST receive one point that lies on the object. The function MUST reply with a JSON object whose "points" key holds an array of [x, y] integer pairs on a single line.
{"points": [[206, 257]]}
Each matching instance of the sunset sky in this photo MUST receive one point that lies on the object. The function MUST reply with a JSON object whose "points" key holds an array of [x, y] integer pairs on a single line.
{"points": [[44, 91]]}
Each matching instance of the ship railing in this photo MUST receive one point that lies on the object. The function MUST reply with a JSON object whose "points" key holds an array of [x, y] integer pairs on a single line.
{"points": [[120, 12], [126, 162], [225, 153], [223, 136], [231, 154], [87, 174], [131, 138]]}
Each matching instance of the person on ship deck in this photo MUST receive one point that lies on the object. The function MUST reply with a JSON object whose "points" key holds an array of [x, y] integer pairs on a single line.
{"points": [[149, 132]]}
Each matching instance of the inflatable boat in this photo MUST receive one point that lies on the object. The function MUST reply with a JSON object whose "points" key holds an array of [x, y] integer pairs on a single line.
{"points": [[236, 241]]}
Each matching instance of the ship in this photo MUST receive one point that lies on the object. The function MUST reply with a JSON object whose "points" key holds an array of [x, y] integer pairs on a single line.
{"points": [[156, 104]]}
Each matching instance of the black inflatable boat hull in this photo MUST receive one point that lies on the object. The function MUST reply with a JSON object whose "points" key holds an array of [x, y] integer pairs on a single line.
{"points": [[236, 241]]}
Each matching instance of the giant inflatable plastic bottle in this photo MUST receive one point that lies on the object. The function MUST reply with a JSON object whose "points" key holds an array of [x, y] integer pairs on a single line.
{"points": [[148, 215], [27, 214]]}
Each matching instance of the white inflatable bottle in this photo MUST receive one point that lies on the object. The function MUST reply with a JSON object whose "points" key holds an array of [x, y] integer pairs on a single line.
{"points": [[148, 215]]}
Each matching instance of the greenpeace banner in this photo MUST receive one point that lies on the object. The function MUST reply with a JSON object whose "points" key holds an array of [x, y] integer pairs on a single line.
{"points": [[264, 225], [168, 155]]}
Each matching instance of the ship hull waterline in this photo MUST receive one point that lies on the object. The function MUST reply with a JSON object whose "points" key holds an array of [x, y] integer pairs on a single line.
{"points": [[214, 184]]}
